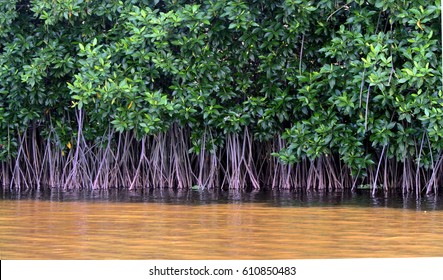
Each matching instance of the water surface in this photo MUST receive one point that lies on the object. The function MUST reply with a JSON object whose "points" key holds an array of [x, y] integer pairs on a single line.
{"points": [[208, 225]]}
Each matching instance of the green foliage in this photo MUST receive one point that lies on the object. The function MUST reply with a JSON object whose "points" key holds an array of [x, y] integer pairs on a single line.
{"points": [[379, 76], [333, 77]]}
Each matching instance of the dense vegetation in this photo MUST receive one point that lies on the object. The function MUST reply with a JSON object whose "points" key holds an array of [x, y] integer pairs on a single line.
{"points": [[228, 93]]}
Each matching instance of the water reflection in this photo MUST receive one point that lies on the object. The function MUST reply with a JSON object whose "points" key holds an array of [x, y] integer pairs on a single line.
{"points": [[208, 224], [276, 198]]}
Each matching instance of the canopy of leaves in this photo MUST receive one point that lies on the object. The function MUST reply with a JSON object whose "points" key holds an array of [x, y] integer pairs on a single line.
{"points": [[333, 77]]}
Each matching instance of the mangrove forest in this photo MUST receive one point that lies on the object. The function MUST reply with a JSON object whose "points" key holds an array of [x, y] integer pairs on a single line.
{"points": [[316, 95]]}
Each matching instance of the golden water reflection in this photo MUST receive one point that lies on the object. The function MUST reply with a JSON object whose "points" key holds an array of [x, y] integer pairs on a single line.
{"points": [[33, 229]]}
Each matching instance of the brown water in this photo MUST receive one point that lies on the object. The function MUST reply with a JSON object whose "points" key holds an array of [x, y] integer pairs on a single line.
{"points": [[45, 229]]}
